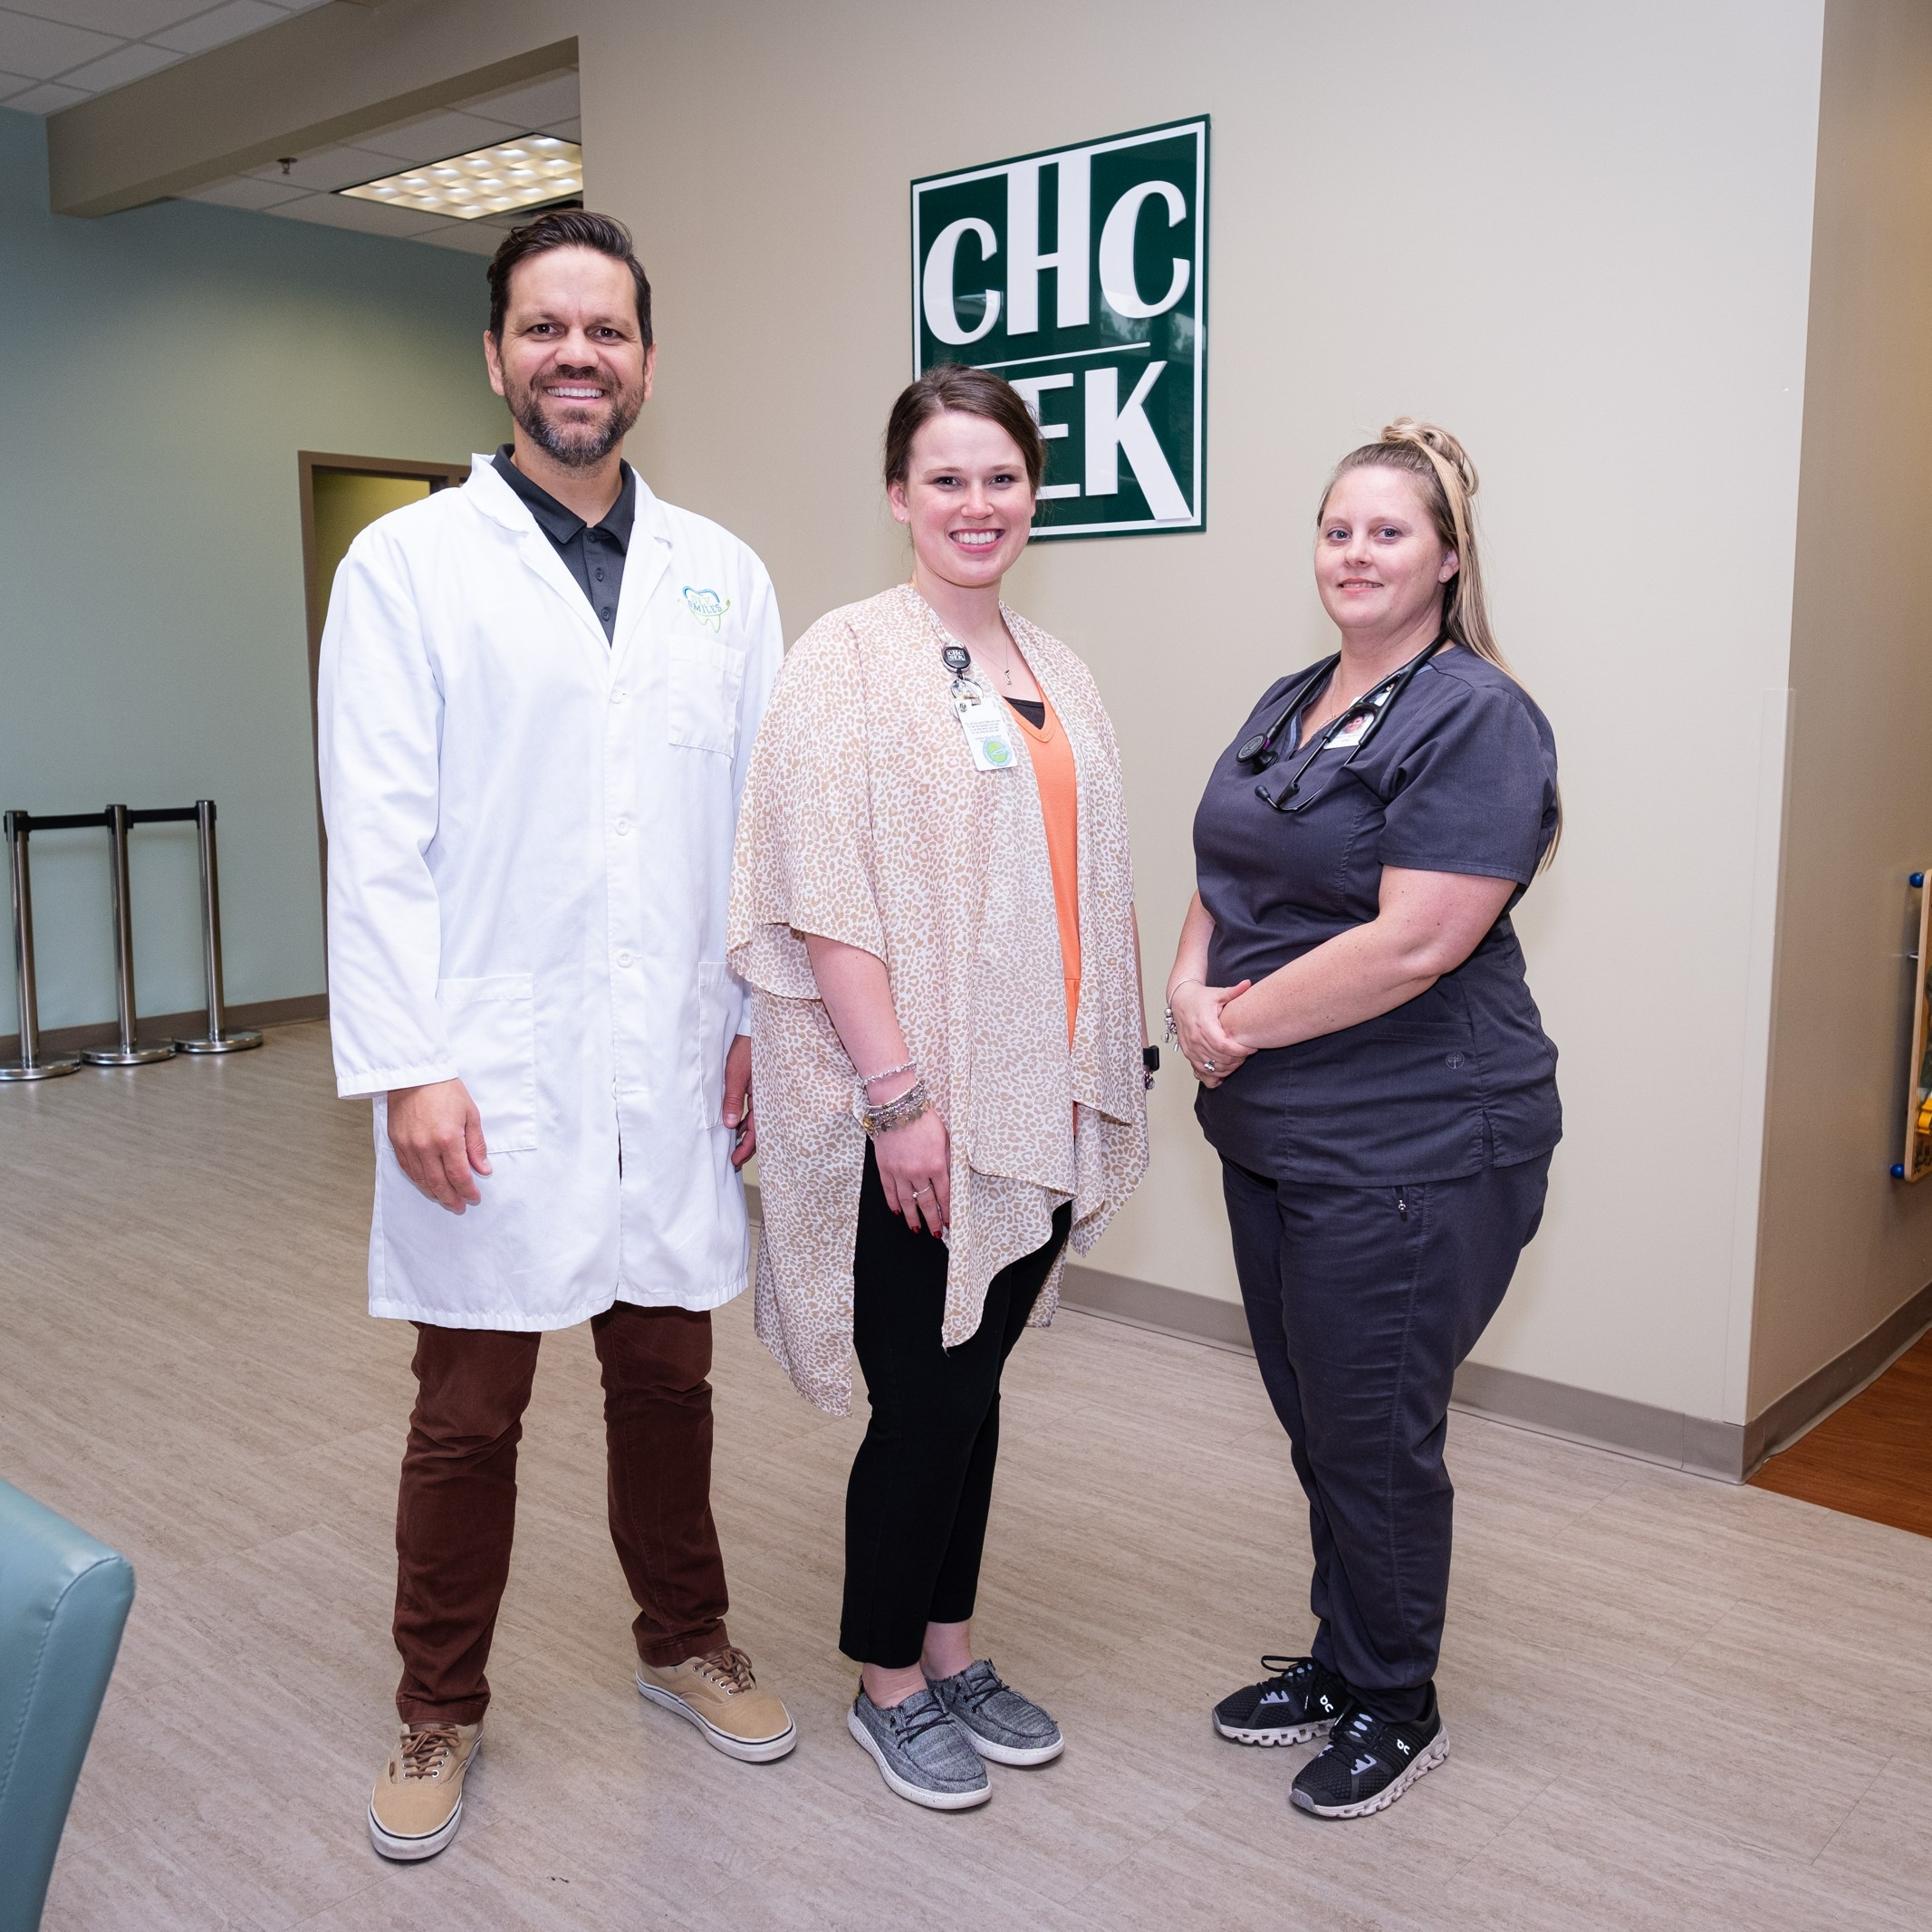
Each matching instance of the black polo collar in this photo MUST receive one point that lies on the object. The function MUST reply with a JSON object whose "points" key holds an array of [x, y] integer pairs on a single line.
{"points": [[557, 521]]}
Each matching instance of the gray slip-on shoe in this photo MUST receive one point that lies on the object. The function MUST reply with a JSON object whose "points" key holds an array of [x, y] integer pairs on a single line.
{"points": [[1001, 1723], [920, 1752]]}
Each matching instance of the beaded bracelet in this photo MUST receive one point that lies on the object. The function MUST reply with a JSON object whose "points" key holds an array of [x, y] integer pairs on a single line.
{"points": [[865, 1080], [915, 1101]]}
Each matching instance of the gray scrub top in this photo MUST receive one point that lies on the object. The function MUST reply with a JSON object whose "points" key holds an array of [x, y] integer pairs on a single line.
{"points": [[1459, 777]]}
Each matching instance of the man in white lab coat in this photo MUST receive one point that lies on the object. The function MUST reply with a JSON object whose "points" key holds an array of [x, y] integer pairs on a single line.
{"points": [[538, 696]]}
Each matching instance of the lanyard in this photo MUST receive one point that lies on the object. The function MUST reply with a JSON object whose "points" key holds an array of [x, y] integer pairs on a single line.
{"points": [[1368, 710]]}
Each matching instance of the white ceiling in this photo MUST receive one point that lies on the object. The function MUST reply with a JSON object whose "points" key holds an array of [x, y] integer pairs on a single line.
{"points": [[306, 193], [54, 53]]}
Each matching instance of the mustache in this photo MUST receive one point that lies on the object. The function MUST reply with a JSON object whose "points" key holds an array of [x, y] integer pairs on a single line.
{"points": [[578, 445]]}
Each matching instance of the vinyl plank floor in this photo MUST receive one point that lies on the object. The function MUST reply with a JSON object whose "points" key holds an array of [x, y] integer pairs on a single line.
{"points": [[1645, 1676]]}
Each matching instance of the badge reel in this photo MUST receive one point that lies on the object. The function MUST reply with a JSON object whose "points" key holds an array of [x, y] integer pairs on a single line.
{"points": [[987, 737]]}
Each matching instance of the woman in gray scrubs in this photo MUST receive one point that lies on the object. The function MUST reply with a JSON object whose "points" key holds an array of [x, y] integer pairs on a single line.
{"points": [[1375, 1078]]}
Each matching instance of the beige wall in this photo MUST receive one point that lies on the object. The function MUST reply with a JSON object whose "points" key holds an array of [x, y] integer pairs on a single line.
{"points": [[1584, 257], [1842, 1245]]}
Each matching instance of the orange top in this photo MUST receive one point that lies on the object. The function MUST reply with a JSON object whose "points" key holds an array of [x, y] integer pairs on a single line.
{"points": [[1059, 783]]}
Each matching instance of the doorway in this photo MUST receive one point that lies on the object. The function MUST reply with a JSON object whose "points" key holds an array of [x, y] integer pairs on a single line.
{"points": [[341, 496]]}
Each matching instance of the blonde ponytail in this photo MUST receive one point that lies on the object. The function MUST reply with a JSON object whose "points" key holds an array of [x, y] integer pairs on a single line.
{"points": [[1449, 481]]}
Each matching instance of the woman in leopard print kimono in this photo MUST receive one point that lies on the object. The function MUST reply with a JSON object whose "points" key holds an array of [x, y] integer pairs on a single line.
{"points": [[933, 907]]}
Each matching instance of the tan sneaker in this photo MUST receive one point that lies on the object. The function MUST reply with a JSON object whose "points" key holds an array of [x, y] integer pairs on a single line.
{"points": [[417, 1802], [720, 1696]]}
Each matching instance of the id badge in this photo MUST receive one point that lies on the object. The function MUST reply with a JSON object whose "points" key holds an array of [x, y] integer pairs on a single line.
{"points": [[1355, 725], [989, 737]]}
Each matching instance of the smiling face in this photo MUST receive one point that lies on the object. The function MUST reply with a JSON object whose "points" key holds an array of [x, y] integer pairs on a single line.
{"points": [[1380, 565], [966, 500], [571, 364]]}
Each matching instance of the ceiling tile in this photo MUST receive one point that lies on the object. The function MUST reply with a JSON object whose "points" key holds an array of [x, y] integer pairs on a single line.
{"points": [[43, 48], [130, 19], [224, 24], [437, 136], [332, 211], [14, 84], [334, 168], [244, 191], [565, 130], [134, 61], [531, 106], [48, 98]]}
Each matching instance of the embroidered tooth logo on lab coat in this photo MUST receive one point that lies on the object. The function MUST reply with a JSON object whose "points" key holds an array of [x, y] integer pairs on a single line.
{"points": [[707, 607]]}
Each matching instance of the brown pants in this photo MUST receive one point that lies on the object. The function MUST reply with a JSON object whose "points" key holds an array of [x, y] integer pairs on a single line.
{"points": [[457, 1506]]}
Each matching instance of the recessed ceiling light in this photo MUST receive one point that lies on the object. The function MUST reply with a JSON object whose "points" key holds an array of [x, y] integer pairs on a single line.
{"points": [[485, 181]]}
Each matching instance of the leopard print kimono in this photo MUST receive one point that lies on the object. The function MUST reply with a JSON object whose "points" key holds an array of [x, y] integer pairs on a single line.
{"points": [[864, 819]]}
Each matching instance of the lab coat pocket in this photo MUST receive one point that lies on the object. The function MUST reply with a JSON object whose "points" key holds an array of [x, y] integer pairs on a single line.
{"points": [[716, 1015], [491, 1025], [705, 679]]}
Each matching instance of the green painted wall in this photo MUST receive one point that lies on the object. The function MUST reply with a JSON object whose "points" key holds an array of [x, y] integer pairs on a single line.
{"points": [[161, 369]]}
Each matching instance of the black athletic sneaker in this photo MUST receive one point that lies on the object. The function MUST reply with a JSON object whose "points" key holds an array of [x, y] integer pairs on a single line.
{"points": [[1302, 1701], [1369, 1762]]}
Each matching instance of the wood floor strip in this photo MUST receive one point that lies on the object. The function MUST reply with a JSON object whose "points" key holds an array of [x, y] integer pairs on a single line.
{"points": [[1873, 1456]]}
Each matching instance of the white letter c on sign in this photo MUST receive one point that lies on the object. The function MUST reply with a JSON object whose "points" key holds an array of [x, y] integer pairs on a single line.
{"points": [[936, 287], [1117, 253]]}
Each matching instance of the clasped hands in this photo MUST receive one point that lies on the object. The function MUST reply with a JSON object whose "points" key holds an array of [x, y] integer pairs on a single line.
{"points": [[437, 1134], [1200, 1027]]}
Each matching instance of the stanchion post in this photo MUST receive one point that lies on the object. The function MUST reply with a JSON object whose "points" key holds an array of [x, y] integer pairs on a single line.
{"points": [[219, 1039], [127, 1051], [30, 1065]]}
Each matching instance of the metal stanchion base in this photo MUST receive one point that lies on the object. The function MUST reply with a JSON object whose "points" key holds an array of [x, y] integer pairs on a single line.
{"points": [[141, 1054], [40, 1069], [228, 1043]]}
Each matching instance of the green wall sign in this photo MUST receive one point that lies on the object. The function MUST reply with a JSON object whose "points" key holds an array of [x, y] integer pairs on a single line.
{"points": [[1081, 275]]}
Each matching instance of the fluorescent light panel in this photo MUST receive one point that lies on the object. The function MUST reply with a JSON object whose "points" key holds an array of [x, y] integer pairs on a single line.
{"points": [[487, 181]]}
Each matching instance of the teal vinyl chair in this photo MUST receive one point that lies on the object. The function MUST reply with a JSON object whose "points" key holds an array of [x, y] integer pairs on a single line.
{"points": [[63, 1601]]}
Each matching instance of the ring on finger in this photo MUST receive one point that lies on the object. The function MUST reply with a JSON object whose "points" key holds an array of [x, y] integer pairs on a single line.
{"points": [[1208, 1065], [916, 1192]]}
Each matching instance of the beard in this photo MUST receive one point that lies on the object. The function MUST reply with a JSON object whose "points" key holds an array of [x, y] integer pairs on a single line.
{"points": [[580, 443]]}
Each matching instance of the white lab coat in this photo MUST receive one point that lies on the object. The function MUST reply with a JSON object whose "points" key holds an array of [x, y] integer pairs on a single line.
{"points": [[529, 838]]}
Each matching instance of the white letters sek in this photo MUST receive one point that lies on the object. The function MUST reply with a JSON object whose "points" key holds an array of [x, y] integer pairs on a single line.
{"points": [[530, 839], [1113, 428]]}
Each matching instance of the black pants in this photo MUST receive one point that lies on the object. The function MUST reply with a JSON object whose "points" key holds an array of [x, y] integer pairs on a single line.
{"points": [[1363, 1303], [922, 1482]]}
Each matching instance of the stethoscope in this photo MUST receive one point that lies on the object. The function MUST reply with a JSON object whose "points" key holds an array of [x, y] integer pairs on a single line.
{"points": [[1261, 751]]}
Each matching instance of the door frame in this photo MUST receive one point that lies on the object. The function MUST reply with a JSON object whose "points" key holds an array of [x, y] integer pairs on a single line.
{"points": [[315, 595]]}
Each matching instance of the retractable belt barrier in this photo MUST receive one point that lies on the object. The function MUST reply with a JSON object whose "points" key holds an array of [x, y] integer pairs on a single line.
{"points": [[129, 1049]]}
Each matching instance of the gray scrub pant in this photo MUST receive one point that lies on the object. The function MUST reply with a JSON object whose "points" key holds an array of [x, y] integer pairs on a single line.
{"points": [[1363, 1303]]}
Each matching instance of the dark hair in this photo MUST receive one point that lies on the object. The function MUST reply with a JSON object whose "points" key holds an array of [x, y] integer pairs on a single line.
{"points": [[952, 386], [566, 228]]}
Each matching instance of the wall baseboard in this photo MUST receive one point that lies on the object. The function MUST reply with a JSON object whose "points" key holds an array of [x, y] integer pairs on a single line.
{"points": [[57, 1040], [1728, 1451], [1502, 1394], [1803, 1407], [1652, 1435], [1152, 1305]]}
